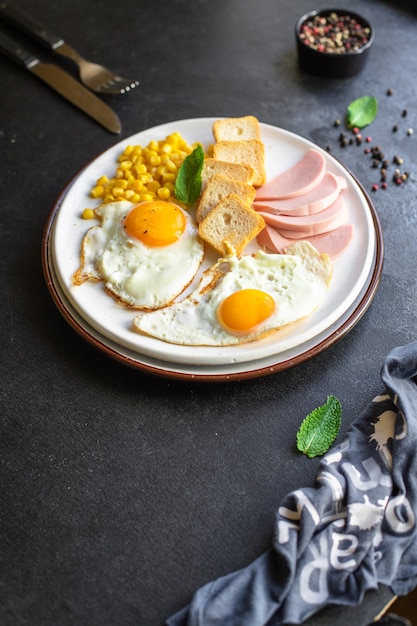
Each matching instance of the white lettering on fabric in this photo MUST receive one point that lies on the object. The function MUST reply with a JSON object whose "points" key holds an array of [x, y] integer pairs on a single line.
{"points": [[302, 502], [337, 509], [318, 592], [374, 474], [284, 531], [399, 515], [343, 546]]}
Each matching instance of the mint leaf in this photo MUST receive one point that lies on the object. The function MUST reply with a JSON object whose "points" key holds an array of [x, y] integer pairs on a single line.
{"points": [[320, 428], [188, 182], [362, 112]]}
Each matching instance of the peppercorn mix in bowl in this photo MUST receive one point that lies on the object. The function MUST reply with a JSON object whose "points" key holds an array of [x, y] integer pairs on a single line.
{"points": [[333, 42]]}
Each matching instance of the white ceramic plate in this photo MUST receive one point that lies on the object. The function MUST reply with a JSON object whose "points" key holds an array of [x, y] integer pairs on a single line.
{"points": [[97, 316]]}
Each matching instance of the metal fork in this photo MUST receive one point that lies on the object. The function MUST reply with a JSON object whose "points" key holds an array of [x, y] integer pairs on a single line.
{"points": [[94, 76]]}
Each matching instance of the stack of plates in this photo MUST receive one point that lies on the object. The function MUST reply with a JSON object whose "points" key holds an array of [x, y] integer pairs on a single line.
{"points": [[108, 326]]}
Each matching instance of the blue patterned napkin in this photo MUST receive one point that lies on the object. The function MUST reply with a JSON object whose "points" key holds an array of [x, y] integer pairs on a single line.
{"points": [[354, 530]]}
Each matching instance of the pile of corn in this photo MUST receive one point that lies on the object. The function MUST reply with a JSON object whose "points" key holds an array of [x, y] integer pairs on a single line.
{"points": [[145, 174]]}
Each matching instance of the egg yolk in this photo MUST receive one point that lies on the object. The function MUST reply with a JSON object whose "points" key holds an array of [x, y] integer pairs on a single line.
{"points": [[242, 311], [155, 223]]}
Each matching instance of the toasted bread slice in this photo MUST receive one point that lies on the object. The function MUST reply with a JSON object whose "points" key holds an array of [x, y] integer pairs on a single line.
{"points": [[236, 171], [218, 187], [236, 128], [231, 223], [247, 152]]}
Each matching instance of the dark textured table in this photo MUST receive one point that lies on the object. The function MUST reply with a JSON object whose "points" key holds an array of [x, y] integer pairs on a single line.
{"points": [[121, 492]]}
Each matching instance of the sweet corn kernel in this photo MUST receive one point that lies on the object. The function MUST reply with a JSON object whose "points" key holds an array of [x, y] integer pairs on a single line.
{"points": [[153, 185], [88, 214], [170, 186], [137, 185], [171, 167], [161, 170], [102, 180], [163, 193], [169, 178], [140, 169], [97, 191], [155, 159], [146, 197]]}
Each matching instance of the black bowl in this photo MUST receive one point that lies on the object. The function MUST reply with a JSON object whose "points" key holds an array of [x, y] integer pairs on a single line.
{"points": [[331, 59]]}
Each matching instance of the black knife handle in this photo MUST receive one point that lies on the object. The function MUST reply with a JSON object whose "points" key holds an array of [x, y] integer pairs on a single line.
{"points": [[21, 20], [16, 53]]}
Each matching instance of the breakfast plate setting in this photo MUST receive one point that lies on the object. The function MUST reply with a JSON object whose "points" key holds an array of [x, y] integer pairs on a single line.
{"points": [[108, 325]]}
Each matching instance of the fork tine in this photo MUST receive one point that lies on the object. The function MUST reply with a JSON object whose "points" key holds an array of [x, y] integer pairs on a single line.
{"points": [[118, 85]]}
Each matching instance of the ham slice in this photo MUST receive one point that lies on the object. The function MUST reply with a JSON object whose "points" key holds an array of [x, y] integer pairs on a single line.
{"points": [[314, 201], [333, 242], [297, 180], [308, 224]]}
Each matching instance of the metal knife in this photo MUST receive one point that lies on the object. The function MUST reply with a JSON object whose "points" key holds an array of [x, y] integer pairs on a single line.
{"points": [[63, 83]]}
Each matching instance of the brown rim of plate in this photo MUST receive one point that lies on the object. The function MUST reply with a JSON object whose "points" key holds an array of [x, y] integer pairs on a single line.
{"points": [[342, 330]]}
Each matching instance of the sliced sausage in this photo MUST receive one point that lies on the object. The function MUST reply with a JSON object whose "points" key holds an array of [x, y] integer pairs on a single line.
{"points": [[298, 179], [314, 201], [333, 242], [307, 224]]}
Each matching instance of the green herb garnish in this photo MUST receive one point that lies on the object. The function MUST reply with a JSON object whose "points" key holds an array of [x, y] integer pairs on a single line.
{"points": [[320, 428], [362, 112], [188, 182]]}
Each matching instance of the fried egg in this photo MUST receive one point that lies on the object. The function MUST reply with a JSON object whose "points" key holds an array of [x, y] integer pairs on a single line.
{"points": [[146, 254], [242, 299]]}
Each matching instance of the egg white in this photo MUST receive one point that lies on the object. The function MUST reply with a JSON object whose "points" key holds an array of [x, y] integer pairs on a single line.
{"points": [[297, 281], [138, 275]]}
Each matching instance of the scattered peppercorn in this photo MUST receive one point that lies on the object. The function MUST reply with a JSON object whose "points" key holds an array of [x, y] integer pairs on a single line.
{"points": [[378, 159], [334, 34]]}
